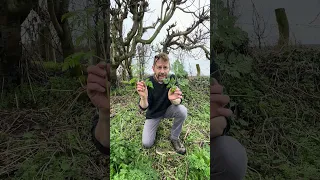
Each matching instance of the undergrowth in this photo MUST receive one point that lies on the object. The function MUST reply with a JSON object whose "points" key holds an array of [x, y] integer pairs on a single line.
{"points": [[278, 113], [129, 160]]}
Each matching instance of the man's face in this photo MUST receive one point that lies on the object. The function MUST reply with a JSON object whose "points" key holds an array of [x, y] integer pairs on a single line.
{"points": [[161, 70]]}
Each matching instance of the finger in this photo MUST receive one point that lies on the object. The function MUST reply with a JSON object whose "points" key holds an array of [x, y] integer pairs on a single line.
{"points": [[102, 65], [95, 87], [216, 89], [224, 112], [214, 81], [93, 78], [97, 71], [140, 89], [139, 86], [141, 83], [105, 66], [220, 99]]}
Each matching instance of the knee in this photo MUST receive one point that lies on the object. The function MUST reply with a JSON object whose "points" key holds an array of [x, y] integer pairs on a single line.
{"points": [[147, 143], [230, 156], [182, 111]]}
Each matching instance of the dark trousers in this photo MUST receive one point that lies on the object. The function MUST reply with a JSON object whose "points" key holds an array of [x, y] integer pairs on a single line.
{"points": [[228, 159]]}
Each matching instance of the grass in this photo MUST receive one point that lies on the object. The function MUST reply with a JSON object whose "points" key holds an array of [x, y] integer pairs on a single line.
{"points": [[129, 160], [279, 114], [48, 135], [45, 134]]}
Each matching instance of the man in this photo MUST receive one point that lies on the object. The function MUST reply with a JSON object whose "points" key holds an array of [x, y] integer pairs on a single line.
{"points": [[228, 157], [161, 103], [98, 76]]}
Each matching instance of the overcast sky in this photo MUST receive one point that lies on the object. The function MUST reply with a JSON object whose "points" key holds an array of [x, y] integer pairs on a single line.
{"points": [[183, 21], [300, 15]]}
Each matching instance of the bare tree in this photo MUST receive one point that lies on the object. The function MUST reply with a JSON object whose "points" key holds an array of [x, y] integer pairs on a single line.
{"points": [[191, 38], [143, 57], [56, 10], [231, 5], [259, 25], [124, 46]]}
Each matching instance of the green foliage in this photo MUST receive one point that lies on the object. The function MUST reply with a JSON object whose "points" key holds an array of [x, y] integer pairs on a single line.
{"points": [[199, 164], [139, 170], [40, 95], [133, 82], [75, 60], [129, 160], [55, 158], [179, 78], [178, 69], [51, 167], [280, 121], [230, 43]]}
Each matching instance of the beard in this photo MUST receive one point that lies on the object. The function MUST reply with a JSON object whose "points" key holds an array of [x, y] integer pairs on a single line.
{"points": [[161, 76]]}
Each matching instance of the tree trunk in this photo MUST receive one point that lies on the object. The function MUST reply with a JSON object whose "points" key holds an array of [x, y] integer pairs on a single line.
{"points": [[98, 47], [283, 26], [56, 12], [46, 45], [66, 40], [10, 48], [106, 26], [113, 75], [198, 70]]}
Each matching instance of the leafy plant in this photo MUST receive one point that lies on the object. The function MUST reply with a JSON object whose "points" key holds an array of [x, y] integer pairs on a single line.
{"points": [[134, 81], [199, 163], [230, 43], [74, 59], [141, 169], [177, 79]]}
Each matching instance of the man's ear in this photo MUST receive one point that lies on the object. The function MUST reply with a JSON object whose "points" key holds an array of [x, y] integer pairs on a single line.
{"points": [[153, 68]]}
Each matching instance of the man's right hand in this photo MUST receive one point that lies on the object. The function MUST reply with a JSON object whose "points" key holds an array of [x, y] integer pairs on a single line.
{"points": [[142, 89], [96, 86], [218, 101]]}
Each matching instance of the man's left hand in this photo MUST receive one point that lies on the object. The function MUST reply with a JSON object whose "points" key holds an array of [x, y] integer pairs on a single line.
{"points": [[177, 94]]}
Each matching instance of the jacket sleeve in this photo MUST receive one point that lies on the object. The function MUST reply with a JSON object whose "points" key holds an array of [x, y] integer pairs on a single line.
{"points": [[99, 146]]}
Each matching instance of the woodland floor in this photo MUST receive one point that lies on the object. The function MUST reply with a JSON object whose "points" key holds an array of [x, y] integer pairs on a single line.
{"points": [[45, 131]]}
